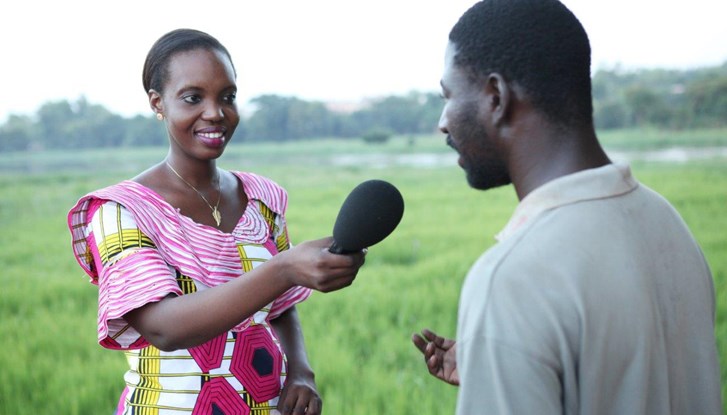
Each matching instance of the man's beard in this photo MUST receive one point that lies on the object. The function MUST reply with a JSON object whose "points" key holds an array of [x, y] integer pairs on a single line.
{"points": [[486, 174], [486, 169]]}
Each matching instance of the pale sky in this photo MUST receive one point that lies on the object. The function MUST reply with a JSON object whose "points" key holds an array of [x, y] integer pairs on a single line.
{"points": [[327, 50]]}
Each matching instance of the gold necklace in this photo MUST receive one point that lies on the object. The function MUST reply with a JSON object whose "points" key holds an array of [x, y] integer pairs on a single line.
{"points": [[215, 213]]}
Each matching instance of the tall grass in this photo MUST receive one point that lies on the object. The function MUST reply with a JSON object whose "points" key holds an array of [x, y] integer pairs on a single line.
{"points": [[357, 338]]}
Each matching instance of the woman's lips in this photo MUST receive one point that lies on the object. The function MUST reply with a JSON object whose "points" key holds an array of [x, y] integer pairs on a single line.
{"points": [[212, 137]]}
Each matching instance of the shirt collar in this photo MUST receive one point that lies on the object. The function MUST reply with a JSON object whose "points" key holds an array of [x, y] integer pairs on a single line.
{"points": [[602, 182]]}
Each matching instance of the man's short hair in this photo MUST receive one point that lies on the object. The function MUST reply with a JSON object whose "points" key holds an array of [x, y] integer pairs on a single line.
{"points": [[538, 44]]}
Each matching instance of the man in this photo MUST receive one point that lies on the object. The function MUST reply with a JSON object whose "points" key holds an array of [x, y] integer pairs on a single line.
{"points": [[596, 298]]}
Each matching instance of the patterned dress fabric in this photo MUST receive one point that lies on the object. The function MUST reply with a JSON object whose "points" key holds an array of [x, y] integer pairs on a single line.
{"points": [[139, 249]]}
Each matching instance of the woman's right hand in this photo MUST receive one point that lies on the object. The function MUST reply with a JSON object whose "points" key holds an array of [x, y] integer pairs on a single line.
{"points": [[310, 264]]}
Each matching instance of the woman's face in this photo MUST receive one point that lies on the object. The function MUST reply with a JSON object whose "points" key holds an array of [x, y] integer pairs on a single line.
{"points": [[198, 103]]}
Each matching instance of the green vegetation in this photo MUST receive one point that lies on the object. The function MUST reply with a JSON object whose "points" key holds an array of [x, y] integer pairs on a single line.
{"points": [[358, 338]]}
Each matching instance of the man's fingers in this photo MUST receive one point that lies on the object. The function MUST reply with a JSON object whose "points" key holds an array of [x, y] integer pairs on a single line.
{"points": [[419, 342], [433, 365], [430, 335]]}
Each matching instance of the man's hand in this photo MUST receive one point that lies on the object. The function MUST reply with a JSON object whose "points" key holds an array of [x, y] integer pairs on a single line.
{"points": [[439, 355]]}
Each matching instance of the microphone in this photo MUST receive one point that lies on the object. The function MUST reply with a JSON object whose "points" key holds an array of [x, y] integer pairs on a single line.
{"points": [[369, 214]]}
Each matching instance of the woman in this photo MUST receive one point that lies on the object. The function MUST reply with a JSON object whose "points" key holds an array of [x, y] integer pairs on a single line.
{"points": [[197, 278]]}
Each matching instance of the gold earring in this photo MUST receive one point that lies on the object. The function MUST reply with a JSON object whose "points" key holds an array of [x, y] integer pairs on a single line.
{"points": [[160, 116]]}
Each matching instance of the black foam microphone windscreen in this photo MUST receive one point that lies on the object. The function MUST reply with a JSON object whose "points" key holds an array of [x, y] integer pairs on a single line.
{"points": [[369, 214]]}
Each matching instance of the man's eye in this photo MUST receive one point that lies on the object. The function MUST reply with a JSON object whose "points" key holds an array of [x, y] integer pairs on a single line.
{"points": [[231, 98]]}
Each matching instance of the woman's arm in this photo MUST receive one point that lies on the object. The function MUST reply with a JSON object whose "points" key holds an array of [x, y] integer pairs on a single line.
{"points": [[180, 322], [300, 393]]}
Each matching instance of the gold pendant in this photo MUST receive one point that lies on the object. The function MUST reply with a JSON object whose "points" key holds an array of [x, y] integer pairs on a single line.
{"points": [[216, 214]]}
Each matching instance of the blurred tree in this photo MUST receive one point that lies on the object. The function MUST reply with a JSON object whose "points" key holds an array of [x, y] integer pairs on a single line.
{"points": [[645, 106], [609, 114], [707, 97], [17, 134], [53, 118], [144, 132]]}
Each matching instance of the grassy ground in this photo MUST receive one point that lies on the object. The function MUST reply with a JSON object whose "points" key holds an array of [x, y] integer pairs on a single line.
{"points": [[358, 338]]}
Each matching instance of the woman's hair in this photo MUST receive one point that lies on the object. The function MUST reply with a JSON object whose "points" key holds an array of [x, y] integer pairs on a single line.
{"points": [[156, 66], [538, 44]]}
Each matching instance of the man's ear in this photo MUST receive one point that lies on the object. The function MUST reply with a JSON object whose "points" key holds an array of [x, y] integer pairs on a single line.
{"points": [[155, 101], [499, 96]]}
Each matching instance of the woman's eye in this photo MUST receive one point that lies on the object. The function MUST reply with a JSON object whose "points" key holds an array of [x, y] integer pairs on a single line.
{"points": [[231, 98], [191, 99]]}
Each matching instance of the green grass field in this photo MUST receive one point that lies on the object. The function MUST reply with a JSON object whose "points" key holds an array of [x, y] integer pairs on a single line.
{"points": [[358, 338]]}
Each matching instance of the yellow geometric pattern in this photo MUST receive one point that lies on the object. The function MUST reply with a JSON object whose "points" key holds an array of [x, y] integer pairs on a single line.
{"points": [[147, 392], [112, 244], [281, 242], [116, 243], [186, 284], [244, 260]]}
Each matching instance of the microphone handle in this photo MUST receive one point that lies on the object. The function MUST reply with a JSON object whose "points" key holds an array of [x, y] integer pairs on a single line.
{"points": [[337, 249]]}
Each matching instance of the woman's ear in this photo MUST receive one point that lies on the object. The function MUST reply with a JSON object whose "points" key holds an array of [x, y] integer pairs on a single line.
{"points": [[155, 102]]}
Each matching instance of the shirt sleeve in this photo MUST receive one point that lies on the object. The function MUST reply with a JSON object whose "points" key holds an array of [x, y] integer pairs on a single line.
{"points": [[512, 337], [131, 271], [505, 380], [296, 294]]}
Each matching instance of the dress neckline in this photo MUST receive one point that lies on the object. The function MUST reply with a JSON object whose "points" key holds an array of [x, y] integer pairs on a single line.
{"points": [[153, 193]]}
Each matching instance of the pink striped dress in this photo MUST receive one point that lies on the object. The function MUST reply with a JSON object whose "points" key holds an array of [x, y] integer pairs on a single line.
{"points": [[138, 249]]}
